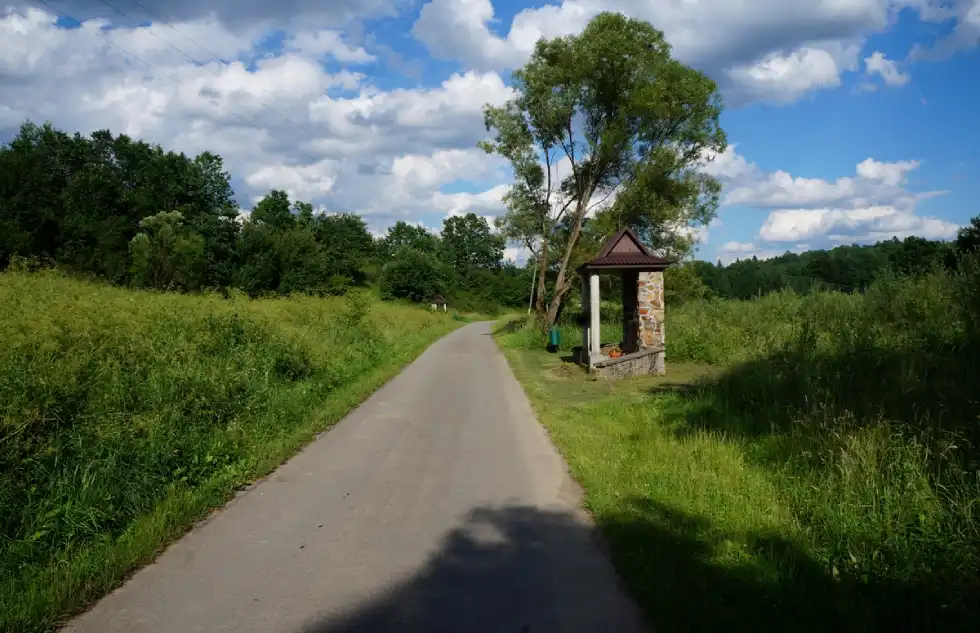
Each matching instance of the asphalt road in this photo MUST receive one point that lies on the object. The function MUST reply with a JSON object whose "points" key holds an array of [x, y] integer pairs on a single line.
{"points": [[438, 505]]}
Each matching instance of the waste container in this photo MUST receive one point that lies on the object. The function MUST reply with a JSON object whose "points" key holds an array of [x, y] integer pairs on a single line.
{"points": [[554, 340]]}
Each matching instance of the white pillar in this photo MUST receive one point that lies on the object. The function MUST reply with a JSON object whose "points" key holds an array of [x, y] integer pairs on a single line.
{"points": [[595, 325]]}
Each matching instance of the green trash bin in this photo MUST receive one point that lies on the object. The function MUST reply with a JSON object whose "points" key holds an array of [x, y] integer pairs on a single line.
{"points": [[554, 340]]}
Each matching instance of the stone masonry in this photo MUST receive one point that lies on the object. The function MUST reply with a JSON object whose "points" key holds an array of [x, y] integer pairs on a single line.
{"points": [[650, 306]]}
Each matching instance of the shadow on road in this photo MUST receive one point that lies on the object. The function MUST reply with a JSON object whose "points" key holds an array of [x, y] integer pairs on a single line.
{"points": [[523, 570], [505, 570]]}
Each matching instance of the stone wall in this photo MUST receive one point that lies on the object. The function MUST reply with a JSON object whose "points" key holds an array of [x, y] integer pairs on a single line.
{"points": [[631, 322], [650, 306], [639, 364]]}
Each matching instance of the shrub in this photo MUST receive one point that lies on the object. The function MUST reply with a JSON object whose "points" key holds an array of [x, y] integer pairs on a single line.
{"points": [[412, 275]]}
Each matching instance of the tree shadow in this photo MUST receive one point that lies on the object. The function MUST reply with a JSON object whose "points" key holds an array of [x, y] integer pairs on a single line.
{"points": [[928, 390], [677, 387], [798, 412], [513, 569], [522, 569], [509, 327]]}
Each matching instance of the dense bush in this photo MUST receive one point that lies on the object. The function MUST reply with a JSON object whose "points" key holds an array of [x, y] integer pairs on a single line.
{"points": [[414, 275]]}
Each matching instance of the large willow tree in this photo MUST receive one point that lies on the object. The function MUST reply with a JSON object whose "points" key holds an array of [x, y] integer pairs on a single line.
{"points": [[606, 126]]}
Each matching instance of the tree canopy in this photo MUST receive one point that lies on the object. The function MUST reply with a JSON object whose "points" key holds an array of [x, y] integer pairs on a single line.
{"points": [[133, 213], [469, 242], [606, 123]]}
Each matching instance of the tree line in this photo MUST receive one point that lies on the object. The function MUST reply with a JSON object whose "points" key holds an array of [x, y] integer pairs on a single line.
{"points": [[846, 268], [134, 214]]}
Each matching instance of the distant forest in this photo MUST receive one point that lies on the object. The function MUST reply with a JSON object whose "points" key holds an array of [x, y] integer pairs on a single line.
{"points": [[134, 214], [849, 268]]}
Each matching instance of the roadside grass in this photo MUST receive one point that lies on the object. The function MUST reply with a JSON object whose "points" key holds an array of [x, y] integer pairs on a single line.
{"points": [[821, 474], [125, 417]]}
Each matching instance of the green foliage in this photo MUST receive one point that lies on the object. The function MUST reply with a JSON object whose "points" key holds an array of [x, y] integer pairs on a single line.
{"points": [[404, 235], [824, 475], [78, 201], [284, 261], [968, 237], [844, 268], [468, 243], [628, 118], [346, 243], [167, 255], [275, 211], [412, 275], [134, 214], [117, 406], [682, 284]]}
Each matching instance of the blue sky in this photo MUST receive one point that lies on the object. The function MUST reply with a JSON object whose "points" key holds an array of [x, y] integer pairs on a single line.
{"points": [[849, 120]]}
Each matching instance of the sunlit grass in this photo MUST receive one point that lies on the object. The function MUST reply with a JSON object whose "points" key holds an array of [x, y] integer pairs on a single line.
{"points": [[125, 416], [820, 474]]}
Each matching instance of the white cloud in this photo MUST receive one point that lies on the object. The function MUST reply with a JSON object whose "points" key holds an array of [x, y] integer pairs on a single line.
{"points": [[965, 33], [892, 174], [771, 50], [878, 64], [731, 251], [852, 225], [242, 13], [875, 183], [328, 43], [873, 205], [727, 165], [489, 203], [301, 182], [780, 78], [279, 120]]}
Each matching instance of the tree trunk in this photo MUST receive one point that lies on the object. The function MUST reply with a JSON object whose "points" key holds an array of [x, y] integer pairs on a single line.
{"points": [[561, 288], [557, 302], [539, 307]]}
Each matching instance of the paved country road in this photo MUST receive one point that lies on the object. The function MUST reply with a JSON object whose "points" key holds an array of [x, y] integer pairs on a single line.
{"points": [[439, 505]]}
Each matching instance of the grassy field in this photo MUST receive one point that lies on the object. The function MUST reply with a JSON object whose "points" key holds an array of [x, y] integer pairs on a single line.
{"points": [[808, 463], [127, 416]]}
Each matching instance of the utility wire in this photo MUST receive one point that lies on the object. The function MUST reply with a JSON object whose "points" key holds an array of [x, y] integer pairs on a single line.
{"points": [[174, 79], [174, 29], [149, 29]]}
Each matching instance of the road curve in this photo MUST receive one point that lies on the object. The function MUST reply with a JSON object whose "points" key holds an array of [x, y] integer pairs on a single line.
{"points": [[439, 505]]}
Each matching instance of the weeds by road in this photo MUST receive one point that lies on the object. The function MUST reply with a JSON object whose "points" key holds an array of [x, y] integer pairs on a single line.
{"points": [[126, 416]]}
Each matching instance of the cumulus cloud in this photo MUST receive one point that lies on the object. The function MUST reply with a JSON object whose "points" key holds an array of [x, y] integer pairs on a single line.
{"points": [[732, 251], [768, 50], [278, 120], [301, 113], [240, 13], [845, 225], [878, 64], [872, 205], [965, 15]]}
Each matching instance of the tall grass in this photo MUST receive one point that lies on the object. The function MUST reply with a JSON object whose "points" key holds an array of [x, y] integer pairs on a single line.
{"points": [[830, 470], [126, 415], [867, 408]]}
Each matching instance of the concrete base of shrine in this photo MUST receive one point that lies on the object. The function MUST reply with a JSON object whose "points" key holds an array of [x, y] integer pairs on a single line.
{"points": [[642, 363]]}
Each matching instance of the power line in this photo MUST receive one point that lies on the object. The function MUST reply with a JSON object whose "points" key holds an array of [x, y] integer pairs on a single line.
{"points": [[149, 29], [174, 79], [214, 56]]}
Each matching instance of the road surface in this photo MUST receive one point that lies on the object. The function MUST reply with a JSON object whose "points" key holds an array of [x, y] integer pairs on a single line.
{"points": [[439, 505]]}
